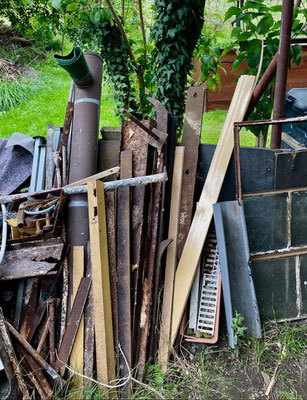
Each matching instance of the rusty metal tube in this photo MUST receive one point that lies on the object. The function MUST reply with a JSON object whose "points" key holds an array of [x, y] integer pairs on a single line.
{"points": [[262, 85], [282, 70], [83, 156]]}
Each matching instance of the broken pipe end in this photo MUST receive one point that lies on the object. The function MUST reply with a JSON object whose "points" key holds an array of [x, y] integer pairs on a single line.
{"points": [[76, 65]]}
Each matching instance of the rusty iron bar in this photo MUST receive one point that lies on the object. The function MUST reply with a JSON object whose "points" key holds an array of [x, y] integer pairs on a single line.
{"points": [[35, 374], [89, 327], [148, 283], [64, 300], [264, 82], [133, 138], [37, 357], [43, 338], [51, 304], [140, 180], [282, 70], [110, 200], [13, 359], [162, 119], [123, 271], [237, 126], [73, 325], [154, 336]]}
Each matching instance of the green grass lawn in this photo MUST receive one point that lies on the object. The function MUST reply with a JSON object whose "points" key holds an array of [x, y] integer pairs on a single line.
{"points": [[47, 101]]}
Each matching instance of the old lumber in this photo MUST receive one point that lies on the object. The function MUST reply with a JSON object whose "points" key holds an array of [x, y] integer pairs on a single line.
{"points": [[190, 140], [76, 357], [171, 259], [101, 283], [199, 228]]}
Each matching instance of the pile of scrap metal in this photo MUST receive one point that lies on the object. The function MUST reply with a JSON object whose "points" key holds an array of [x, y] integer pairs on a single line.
{"points": [[103, 253]]}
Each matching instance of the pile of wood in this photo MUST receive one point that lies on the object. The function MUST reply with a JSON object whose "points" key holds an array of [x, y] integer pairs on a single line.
{"points": [[107, 307]]}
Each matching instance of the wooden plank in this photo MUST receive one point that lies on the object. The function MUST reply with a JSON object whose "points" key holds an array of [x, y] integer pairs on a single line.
{"points": [[101, 283], [76, 357], [95, 177], [203, 215], [171, 260], [190, 140]]}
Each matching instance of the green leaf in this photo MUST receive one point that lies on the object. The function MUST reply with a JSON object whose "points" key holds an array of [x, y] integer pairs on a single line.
{"points": [[95, 16], [253, 59], [254, 45], [253, 4], [236, 64], [171, 33], [236, 31], [231, 12], [25, 3], [72, 7], [75, 22], [56, 4], [244, 36], [277, 8], [265, 24]]}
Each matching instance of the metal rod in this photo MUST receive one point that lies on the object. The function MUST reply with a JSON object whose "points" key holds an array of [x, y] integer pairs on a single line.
{"points": [[139, 123], [37, 144], [237, 164], [51, 325], [279, 121], [43, 337], [282, 70], [49, 370], [142, 180], [264, 82]]}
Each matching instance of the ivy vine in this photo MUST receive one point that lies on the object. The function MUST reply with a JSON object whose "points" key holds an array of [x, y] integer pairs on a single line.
{"points": [[176, 30]]}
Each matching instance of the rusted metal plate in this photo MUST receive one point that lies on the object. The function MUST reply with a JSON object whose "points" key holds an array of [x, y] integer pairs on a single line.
{"points": [[108, 155], [27, 262], [89, 327], [67, 122], [123, 270], [190, 140], [134, 138], [73, 325], [111, 232]]}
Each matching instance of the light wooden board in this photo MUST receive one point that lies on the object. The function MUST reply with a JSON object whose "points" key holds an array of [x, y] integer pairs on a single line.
{"points": [[203, 215], [95, 177], [171, 260], [101, 283], [76, 357]]}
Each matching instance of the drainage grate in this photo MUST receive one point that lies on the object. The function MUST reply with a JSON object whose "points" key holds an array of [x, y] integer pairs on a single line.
{"points": [[209, 288]]}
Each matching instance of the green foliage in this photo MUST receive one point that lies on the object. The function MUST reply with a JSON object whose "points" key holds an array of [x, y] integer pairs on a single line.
{"points": [[239, 332], [209, 52], [253, 23], [176, 30]]}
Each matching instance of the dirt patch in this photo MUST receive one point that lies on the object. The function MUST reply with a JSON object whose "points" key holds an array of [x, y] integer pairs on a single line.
{"points": [[11, 70]]}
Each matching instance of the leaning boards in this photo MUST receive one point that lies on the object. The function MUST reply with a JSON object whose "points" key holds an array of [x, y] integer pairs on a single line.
{"points": [[203, 215], [101, 283]]}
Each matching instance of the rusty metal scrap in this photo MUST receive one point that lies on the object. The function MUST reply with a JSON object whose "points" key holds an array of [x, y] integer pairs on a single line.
{"points": [[28, 262], [72, 325]]}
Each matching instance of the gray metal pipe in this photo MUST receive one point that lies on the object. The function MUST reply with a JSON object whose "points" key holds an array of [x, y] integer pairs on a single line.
{"points": [[83, 154], [282, 70]]}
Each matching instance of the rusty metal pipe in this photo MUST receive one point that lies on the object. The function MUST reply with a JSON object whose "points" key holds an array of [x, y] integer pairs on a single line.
{"points": [[83, 155], [262, 85], [282, 70]]}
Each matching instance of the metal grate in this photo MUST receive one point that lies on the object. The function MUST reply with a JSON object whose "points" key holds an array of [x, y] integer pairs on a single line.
{"points": [[209, 288]]}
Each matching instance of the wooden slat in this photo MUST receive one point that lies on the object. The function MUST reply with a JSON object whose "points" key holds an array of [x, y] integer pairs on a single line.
{"points": [[101, 283], [171, 260], [203, 215], [76, 357], [95, 177]]}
